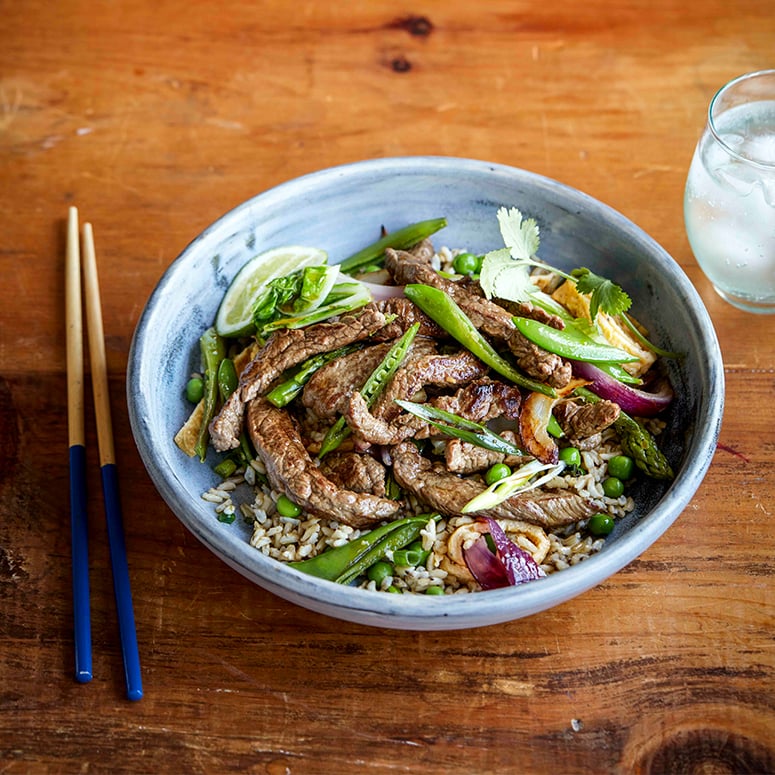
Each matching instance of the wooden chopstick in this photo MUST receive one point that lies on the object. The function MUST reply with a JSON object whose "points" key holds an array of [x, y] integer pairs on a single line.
{"points": [[79, 531], [121, 586]]}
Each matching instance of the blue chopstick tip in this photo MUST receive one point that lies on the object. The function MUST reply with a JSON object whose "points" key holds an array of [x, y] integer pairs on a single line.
{"points": [[83, 676], [134, 694]]}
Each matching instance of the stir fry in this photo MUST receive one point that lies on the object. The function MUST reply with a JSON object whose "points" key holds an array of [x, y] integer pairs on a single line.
{"points": [[423, 420]]}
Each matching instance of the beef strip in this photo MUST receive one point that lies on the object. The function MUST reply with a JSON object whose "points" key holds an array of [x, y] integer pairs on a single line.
{"points": [[425, 366], [354, 471], [292, 471], [526, 309], [328, 390], [448, 493], [483, 400], [287, 348], [462, 457], [581, 420], [406, 313], [487, 316], [368, 429]]}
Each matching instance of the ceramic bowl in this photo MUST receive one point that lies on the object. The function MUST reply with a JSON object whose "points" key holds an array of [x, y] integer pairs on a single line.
{"points": [[341, 210]]}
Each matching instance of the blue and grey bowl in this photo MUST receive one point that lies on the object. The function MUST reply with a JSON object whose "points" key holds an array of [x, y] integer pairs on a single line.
{"points": [[341, 210]]}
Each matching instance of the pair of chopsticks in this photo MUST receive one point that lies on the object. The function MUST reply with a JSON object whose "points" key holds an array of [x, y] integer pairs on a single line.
{"points": [[75, 416]]}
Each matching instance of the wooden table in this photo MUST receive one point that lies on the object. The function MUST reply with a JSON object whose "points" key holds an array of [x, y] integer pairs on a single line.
{"points": [[156, 118]]}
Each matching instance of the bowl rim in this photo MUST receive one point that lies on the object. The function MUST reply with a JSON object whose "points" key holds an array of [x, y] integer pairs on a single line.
{"points": [[456, 611]]}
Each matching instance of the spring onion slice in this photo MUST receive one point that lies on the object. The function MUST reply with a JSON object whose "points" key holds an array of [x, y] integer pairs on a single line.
{"points": [[520, 481], [461, 428]]}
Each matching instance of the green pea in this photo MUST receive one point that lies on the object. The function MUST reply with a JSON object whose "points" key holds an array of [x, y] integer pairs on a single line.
{"points": [[496, 473], [195, 390], [621, 466], [613, 487], [434, 590], [225, 468], [379, 572], [226, 518], [287, 508], [570, 456], [467, 263], [600, 524], [393, 590]]}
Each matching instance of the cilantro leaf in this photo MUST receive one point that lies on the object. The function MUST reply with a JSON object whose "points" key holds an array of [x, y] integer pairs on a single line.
{"points": [[503, 277], [605, 294], [520, 235]]}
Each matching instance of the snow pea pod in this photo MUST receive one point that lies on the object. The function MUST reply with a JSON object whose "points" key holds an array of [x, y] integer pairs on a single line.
{"points": [[569, 342], [373, 386], [401, 239], [213, 352], [444, 310], [286, 391], [345, 563], [227, 378]]}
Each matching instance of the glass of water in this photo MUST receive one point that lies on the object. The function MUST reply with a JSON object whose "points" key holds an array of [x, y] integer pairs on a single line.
{"points": [[729, 203]]}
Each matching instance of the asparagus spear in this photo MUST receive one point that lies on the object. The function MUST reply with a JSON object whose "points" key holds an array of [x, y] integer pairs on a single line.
{"points": [[637, 442]]}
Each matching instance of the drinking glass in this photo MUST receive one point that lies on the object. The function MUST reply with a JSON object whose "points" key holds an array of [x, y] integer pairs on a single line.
{"points": [[729, 202]]}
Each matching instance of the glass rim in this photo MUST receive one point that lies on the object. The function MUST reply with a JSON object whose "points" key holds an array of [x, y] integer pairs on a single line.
{"points": [[767, 165]]}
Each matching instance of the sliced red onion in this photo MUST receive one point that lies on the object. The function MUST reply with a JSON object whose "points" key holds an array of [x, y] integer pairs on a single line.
{"points": [[380, 292], [640, 403], [485, 567], [509, 567], [520, 565]]}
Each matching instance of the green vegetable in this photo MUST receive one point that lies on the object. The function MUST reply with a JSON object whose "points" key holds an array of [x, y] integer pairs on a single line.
{"points": [[195, 390], [345, 563], [316, 283], [460, 427], [497, 472], [467, 263], [605, 294], [373, 386], [445, 311], [553, 428], [620, 466], [569, 343], [413, 556], [401, 239], [600, 524], [277, 294], [225, 468], [520, 481], [213, 352], [570, 456], [645, 342], [285, 392], [287, 508], [379, 572], [636, 442], [227, 378], [434, 590], [613, 487], [226, 518], [343, 297], [505, 272]]}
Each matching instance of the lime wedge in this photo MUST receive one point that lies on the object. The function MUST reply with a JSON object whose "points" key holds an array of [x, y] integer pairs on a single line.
{"points": [[235, 314]]}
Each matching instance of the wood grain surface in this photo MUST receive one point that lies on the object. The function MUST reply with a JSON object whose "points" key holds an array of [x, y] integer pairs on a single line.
{"points": [[155, 119]]}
